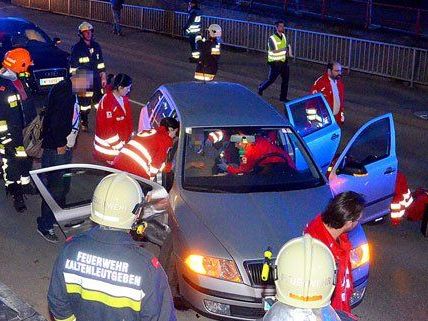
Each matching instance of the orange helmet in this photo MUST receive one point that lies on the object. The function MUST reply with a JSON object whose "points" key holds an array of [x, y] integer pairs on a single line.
{"points": [[18, 60]]}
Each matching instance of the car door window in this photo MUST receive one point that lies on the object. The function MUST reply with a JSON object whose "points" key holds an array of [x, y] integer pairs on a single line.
{"points": [[164, 110], [153, 102], [373, 144], [310, 115]]}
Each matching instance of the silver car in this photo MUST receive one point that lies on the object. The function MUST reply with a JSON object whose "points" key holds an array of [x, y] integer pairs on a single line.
{"points": [[219, 224]]}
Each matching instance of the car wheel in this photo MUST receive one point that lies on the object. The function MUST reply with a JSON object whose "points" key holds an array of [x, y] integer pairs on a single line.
{"points": [[168, 261]]}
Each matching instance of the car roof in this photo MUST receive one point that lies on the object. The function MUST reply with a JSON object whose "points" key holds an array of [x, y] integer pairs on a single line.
{"points": [[221, 104], [13, 23]]}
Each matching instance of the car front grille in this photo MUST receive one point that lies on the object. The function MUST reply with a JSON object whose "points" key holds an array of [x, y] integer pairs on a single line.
{"points": [[46, 78], [254, 271]]}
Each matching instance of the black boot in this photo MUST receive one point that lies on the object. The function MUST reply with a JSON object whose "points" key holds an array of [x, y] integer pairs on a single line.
{"points": [[18, 197]]}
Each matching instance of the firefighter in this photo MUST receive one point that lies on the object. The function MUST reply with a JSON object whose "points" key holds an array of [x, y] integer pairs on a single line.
{"points": [[262, 152], [330, 84], [304, 284], [114, 125], [278, 51], [402, 199], [15, 114], [102, 274], [87, 52], [209, 54], [331, 227], [193, 27], [146, 153]]}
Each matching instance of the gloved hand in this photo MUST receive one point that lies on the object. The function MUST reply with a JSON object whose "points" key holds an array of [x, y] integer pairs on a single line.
{"points": [[222, 166]]}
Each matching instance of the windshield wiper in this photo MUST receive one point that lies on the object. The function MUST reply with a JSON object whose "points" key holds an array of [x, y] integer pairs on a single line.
{"points": [[207, 189]]}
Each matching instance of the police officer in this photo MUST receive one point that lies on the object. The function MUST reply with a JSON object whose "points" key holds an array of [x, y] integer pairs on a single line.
{"points": [[87, 53], [193, 27], [305, 282], [16, 111], [278, 50], [102, 274], [209, 54]]}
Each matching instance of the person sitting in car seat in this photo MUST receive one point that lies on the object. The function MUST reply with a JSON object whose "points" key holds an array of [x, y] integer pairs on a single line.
{"points": [[256, 151]]}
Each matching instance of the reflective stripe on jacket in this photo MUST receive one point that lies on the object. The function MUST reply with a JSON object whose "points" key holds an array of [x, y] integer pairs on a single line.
{"points": [[145, 154], [193, 24], [113, 127], [104, 275], [402, 197], [277, 43]]}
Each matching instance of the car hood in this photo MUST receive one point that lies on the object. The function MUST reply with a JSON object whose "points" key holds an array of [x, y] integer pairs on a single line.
{"points": [[246, 224], [47, 56]]}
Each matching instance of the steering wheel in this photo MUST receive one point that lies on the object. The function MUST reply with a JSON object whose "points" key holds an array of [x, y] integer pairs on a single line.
{"points": [[268, 168]]}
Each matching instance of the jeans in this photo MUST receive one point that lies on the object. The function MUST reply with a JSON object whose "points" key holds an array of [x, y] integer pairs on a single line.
{"points": [[116, 20], [276, 69], [55, 184]]}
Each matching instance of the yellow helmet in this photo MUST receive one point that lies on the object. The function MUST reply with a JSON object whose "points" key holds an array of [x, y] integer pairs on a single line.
{"points": [[214, 30], [116, 201], [85, 26], [305, 273]]}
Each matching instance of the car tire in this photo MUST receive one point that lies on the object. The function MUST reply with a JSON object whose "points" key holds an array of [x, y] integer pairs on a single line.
{"points": [[168, 259]]}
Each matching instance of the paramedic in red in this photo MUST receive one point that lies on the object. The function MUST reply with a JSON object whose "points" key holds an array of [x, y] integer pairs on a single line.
{"points": [[256, 153], [331, 227], [113, 126], [146, 153], [331, 86]]}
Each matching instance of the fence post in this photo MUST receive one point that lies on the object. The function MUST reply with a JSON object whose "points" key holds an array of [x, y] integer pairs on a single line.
{"points": [[68, 7], [49, 5], [350, 55], [369, 13], [90, 9], [412, 77], [248, 36], [141, 20], [294, 45]]}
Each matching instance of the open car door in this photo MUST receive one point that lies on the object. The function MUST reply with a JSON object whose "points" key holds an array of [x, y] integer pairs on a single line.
{"points": [[70, 197], [313, 119], [368, 165]]}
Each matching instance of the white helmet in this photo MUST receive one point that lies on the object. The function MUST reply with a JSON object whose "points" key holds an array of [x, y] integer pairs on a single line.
{"points": [[214, 30], [305, 273], [85, 26], [116, 201]]}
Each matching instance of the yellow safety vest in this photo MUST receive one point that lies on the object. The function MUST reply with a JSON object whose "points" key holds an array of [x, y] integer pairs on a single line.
{"points": [[279, 44]]}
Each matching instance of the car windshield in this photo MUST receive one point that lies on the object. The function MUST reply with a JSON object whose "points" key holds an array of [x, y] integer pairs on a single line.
{"points": [[247, 160], [26, 36]]}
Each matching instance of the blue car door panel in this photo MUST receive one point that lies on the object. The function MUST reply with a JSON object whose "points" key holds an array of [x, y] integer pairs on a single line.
{"points": [[313, 119], [368, 165]]}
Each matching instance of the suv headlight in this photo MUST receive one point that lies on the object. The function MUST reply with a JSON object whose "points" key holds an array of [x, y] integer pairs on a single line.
{"points": [[360, 255], [214, 267]]}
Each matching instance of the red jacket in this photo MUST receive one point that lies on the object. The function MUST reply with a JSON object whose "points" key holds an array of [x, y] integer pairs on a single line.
{"points": [[341, 251], [145, 154], [256, 151], [416, 210], [113, 127], [402, 198], [322, 85]]}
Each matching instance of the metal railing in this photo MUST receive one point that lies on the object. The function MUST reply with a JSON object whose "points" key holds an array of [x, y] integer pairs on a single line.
{"points": [[376, 58]]}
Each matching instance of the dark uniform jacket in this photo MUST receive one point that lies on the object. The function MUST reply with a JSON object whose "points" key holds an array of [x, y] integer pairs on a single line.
{"points": [[57, 123], [117, 4], [104, 275], [193, 24], [209, 50], [84, 56], [16, 108]]}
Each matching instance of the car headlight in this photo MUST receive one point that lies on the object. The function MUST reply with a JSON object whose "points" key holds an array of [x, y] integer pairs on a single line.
{"points": [[360, 255], [214, 267]]}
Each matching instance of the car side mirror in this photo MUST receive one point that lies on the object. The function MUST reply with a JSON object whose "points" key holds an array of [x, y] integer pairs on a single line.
{"points": [[57, 40], [353, 169]]}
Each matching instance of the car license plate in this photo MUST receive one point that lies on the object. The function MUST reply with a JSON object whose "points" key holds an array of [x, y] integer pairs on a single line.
{"points": [[50, 81], [268, 301]]}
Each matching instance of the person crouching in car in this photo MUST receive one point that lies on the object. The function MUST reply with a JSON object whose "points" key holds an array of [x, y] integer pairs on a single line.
{"points": [[146, 153]]}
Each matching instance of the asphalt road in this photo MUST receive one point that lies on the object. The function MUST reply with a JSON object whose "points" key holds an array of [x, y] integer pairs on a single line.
{"points": [[398, 285]]}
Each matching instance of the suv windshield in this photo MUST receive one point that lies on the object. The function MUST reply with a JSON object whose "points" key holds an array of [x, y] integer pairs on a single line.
{"points": [[247, 160]]}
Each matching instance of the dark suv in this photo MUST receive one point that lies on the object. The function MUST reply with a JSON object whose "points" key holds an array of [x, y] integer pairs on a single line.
{"points": [[50, 62]]}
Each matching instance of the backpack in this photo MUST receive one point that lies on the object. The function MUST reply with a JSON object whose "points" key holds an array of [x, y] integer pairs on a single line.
{"points": [[33, 136]]}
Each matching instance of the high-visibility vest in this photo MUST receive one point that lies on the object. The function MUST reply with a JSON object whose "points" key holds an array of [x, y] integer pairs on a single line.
{"points": [[278, 44]]}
